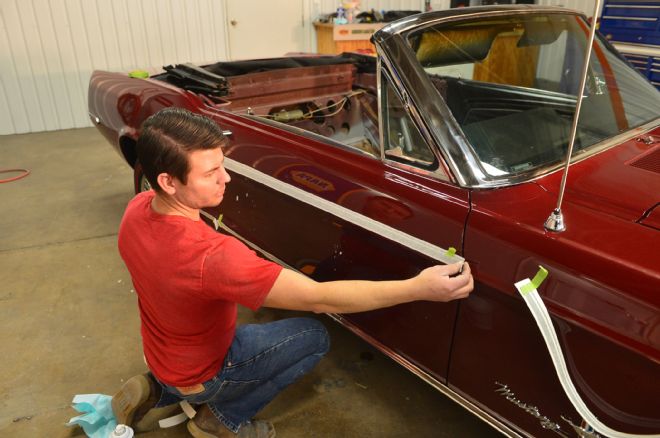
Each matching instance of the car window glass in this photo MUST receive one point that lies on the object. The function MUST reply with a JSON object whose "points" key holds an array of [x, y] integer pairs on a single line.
{"points": [[511, 84], [403, 141]]}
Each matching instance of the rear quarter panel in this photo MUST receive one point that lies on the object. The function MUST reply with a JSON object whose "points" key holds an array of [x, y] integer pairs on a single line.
{"points": [[119, 104]]}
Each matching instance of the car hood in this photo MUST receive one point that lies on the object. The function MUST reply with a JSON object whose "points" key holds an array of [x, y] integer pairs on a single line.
{"points": [[623, 181]]}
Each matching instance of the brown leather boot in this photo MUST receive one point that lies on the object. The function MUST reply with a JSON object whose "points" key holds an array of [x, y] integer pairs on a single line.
{"points": [[205, 425], [134, 404]]}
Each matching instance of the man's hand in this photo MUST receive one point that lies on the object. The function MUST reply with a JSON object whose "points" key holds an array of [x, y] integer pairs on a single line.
{"points": [[440, 282], [294, 291]]}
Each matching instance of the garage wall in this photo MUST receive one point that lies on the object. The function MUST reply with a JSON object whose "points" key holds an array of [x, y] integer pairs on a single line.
{"points": [[48, 50]]}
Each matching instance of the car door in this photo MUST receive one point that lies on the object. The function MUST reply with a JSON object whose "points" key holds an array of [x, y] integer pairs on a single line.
{"points": [[337, 213], [604, 333]]}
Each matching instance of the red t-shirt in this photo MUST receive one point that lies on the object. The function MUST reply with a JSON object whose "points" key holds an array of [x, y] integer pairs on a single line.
{"points": [[188, 280]]}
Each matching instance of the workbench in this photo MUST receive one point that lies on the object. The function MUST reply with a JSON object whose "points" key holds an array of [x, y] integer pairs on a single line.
{"points": [[332, 39]]}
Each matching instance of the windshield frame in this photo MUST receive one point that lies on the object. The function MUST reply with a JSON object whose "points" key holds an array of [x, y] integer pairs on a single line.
{"points": [[448, 135]]}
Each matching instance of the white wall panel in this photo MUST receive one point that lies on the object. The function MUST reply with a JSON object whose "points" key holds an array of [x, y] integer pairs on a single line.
{"points": [[8, 85], [439, 5], [19, 77], [152, 33], [71, 64], [56, 66], [49, 48], [5, 112], [279, 27]]}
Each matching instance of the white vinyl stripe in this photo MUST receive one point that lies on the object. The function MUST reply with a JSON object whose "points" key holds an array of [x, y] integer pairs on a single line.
{"points": [[217, 224], [412, 242], [540, 313]]}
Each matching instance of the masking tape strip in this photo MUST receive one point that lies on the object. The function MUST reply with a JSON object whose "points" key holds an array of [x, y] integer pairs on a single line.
{"points": [[213, 219], [220, 225], [536, 281], [405, 239], [172, 421], [187, 409], [542, 317]]}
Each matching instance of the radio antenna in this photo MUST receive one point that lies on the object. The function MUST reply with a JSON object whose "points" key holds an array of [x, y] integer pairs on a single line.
{"points": [[555, 221]]}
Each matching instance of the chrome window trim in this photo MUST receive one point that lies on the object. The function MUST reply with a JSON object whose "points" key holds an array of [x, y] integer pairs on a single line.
{"points": [[379, 97], [463, 163], [438, 171], [443, 127], [460, 15]]}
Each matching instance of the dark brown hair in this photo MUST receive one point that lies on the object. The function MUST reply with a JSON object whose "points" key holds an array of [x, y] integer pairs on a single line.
{"points": [[168, 137]]}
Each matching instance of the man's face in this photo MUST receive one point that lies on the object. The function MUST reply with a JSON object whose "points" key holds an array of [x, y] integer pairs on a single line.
{"points": [[206, 181]]}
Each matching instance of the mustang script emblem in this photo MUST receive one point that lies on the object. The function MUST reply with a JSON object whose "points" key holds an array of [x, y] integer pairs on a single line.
{"points": [[581, 431]]}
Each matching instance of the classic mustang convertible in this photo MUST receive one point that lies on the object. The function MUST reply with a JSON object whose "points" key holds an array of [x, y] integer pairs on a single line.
{"points": [[455, 135]]}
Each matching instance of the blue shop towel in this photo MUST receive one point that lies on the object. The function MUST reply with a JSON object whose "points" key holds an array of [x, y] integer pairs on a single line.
{"points": [[97, 420]]}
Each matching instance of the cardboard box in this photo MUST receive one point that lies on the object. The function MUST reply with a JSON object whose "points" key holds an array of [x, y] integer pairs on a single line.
{"points": [[333, 39]]}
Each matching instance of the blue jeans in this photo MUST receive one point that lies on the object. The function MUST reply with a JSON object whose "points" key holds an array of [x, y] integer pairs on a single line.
{"points": [[262, 360]]}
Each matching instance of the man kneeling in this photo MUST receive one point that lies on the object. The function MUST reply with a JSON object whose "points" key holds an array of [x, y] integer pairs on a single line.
{"points": [[189, 280]]}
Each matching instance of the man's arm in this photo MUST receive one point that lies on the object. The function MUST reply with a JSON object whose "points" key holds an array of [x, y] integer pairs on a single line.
{"points": [[294, 291]]}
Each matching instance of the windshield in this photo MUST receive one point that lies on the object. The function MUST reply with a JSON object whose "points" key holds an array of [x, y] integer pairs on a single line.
{"points": [[511, 84]]}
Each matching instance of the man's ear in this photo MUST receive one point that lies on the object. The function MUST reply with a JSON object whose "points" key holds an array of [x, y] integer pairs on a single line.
{"points": [[166, 182]]}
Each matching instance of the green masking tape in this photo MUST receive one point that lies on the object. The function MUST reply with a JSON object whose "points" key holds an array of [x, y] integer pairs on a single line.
{"points": [[141, 74], [220, 218], [451, 252], [536, 281]]}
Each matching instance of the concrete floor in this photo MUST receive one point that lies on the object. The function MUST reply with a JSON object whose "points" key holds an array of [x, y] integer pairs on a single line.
{"points": [[69, 320]]}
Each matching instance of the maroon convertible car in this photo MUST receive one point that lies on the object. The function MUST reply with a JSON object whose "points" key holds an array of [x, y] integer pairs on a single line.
{"points": [[455, 135]]}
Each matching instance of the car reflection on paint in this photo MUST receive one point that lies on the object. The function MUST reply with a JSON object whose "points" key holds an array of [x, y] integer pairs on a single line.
{"points": [[453, 136]]}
